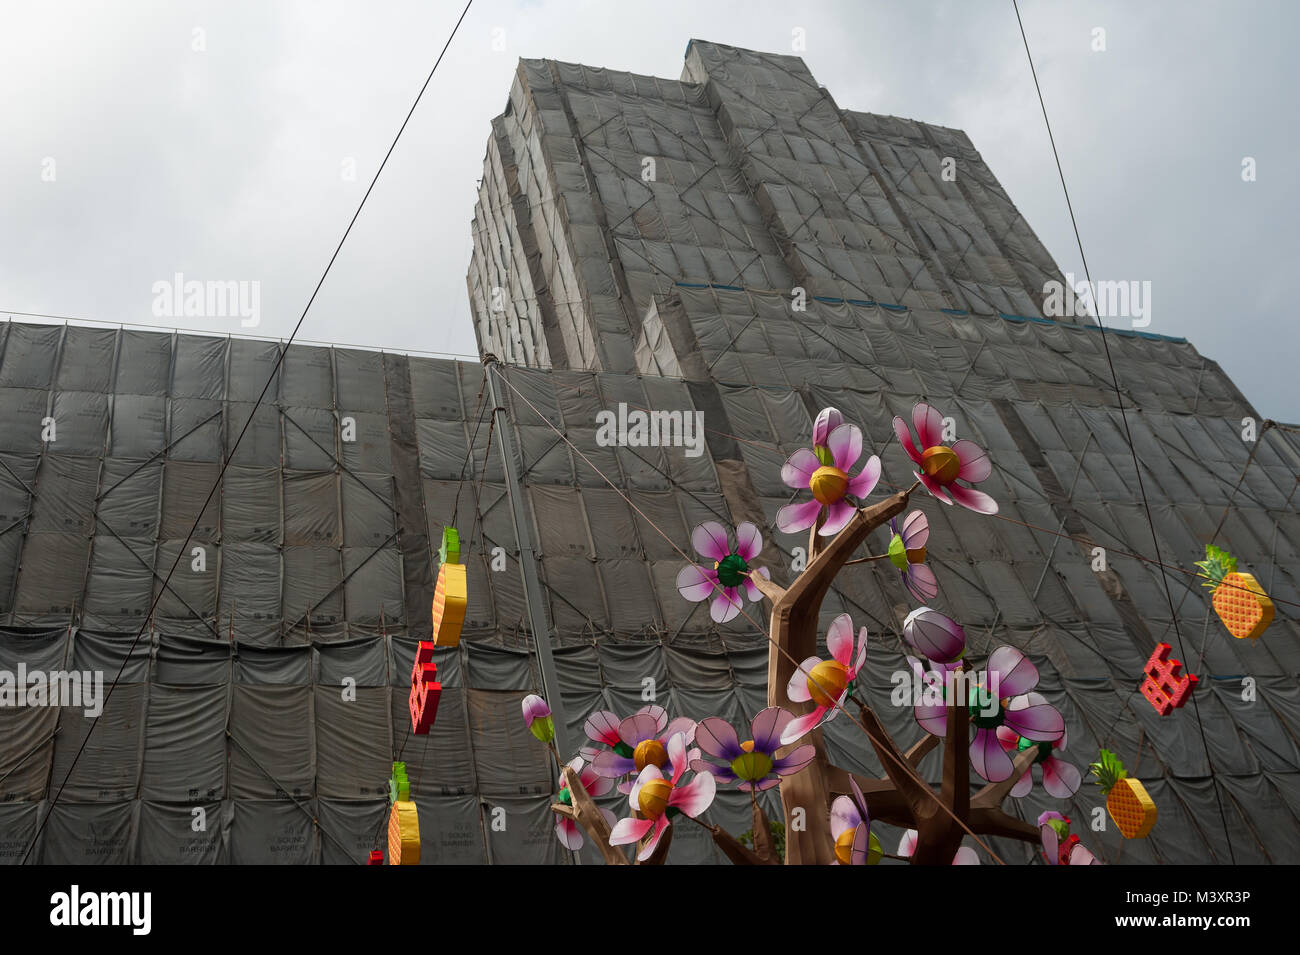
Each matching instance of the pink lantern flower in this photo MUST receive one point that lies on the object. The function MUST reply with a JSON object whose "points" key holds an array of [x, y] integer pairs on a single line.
{"points": [[907, 846], [1060, 779], [825, 471], [639, 741], [826, 682], [659, 798], [1059, 847], [1011, 676], [907, 553], [855, 843], [730, 569], [934, 635], [538, 717], [754, 762], [943, 466], [566, 830]]}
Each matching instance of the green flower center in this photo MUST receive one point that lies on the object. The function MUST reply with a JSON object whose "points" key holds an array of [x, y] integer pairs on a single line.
{"points": [[566, 797], [824, 454], [751, 766], [732, 570], [1044, 749], [977, 711], [897, 552], [623, 749]]}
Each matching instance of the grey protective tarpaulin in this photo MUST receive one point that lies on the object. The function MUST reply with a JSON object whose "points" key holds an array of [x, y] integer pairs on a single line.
{"points": [[268, 692]]}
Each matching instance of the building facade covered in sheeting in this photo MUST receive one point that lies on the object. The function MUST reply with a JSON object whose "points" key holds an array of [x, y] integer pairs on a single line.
{"points": [[638, 243]]}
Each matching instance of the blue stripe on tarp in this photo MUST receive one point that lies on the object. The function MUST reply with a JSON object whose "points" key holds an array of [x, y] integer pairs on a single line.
{"points": [[866, 303]]}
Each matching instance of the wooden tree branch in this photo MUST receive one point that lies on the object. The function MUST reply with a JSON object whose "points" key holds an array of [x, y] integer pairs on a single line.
{"points": [[793, 629], [585, 814]]}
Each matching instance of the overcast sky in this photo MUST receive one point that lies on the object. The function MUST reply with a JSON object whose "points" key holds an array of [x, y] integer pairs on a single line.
{"points": [[227, 162]]}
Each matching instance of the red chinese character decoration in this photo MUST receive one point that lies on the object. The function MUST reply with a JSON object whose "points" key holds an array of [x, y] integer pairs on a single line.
{"points": [[425, 689], [1166, 687], [376, 857]]}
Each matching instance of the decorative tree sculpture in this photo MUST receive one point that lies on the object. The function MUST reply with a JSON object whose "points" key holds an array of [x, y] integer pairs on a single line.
{"points": [[652, 758]]}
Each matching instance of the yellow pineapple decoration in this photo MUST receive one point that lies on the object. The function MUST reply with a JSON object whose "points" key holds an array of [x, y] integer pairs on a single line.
{"points": [[1238, 598], [1126, 798]]}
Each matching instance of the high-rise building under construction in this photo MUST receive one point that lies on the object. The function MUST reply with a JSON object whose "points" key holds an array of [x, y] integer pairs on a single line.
{"points": [[732, 243]]}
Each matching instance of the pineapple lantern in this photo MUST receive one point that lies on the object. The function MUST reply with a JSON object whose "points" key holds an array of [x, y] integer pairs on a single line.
{"points": [[1238, 598], [1126, 798]]}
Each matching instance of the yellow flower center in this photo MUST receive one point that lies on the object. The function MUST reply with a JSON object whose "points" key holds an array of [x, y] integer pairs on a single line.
{"points": [[827, 681], [941, 463], [649, 752], [828, 484], [652, 799]]}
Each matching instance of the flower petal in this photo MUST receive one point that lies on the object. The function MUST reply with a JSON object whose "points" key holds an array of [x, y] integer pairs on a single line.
{"points": [[988, 758], [696, 796], [861, 659], [1081, 856], [933, 486], [677, 756], [966, 856], [766, 728], [1014, 673], [1041, 722], [929, 425], [749, 542], [973, 500], [798, 469], [795, 762], [797, 689], [1060, 779], [683, 724], [793, 518], [921, 582], [567, 831], [1051, 844], [634, 791], [629, 830], [838, 516], [695, 583], [907, 844], [975, 463], [867, 478], [905, 439], [602, 727], [652, 841], [611, 765], [722, 774], [710, 540], [638, 728], [801, 726], [844, 815], [839, 639], [1023, 785], [916, 530], [828, 419], [845, 443], [725, 605]]}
